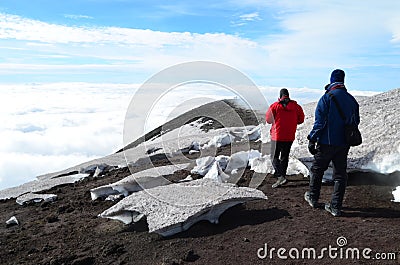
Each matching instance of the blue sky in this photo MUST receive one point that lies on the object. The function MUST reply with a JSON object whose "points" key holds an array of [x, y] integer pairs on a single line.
{"points": [[275, 43]]}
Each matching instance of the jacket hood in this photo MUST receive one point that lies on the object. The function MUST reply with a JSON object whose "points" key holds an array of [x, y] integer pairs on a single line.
{"points": [[287, 104]]}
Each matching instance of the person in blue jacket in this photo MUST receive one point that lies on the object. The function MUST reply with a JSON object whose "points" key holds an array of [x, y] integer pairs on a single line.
{"points": [[327, 142]]}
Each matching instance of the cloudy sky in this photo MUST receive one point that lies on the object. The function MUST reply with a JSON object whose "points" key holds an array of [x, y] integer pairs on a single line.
{"points": [[276, 43], [68, 69]]}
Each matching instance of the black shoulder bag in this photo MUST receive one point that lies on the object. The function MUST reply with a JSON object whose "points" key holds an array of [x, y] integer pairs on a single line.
{"points": [[351, 132]]}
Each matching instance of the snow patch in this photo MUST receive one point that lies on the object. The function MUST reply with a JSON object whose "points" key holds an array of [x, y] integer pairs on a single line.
{"points": [[261, 165], [188, 178], [265, 136], [40, 185], [219, 141], [385, 164], [33, 197], [174, 208], [295, 166], [12, 221], [218, 168], [250, 132], [216, 173], [114, 197], [396, 194], [145, 179], [96, 169], [203, 165], [241, 159], [264, 165]]}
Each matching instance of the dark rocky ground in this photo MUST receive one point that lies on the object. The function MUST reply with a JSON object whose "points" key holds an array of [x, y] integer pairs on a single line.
{"points": [[68, 230]]}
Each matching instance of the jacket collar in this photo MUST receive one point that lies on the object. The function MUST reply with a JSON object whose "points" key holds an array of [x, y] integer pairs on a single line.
{"points": [[336, 85], [283, 98]]}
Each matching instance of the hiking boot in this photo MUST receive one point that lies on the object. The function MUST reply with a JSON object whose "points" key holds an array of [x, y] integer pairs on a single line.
{"points": [[310, 201], [281, 181], [335, 212]]}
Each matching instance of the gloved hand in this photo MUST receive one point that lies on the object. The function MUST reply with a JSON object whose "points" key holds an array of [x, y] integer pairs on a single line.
{"points": [[312, 147]]}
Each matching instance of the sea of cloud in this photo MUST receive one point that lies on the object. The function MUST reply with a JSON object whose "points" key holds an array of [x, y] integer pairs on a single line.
{"points": [[49, 127]]}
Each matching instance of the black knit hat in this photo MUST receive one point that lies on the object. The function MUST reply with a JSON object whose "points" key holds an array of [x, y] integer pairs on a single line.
{"points": [[283, 92], [337, 76]]}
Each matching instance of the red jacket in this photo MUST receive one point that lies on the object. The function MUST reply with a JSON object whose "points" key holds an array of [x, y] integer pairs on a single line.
{"points": [[284, 115]]}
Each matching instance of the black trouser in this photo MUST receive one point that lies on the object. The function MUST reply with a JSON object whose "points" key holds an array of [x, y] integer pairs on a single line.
{"points": [[280, 156], [338, 156]]}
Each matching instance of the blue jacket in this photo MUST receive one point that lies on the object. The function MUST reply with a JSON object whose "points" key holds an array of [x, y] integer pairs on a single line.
{"points": [[329, 126]]}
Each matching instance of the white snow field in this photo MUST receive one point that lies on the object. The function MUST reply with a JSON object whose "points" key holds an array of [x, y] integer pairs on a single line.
{"points": [[176, 207]]}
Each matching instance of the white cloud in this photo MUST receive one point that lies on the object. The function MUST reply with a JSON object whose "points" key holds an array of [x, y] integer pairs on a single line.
{"points": [[19, 168], [125, 49], [53, 126], [393, 24], [72, 16], [336, 33], [244, 19], [308, 40], [15, 68], [250, 17], [16, 27], [304, 95]]}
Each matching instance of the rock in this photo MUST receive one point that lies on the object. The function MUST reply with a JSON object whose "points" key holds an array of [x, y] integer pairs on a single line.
{"points": [[52, 219], [65, 208], [112, 249], [191, 256], [84, 261]]}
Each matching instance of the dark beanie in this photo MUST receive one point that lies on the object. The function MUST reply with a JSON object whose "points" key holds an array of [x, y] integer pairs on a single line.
{"points": [[283, 92], [337, 76]]}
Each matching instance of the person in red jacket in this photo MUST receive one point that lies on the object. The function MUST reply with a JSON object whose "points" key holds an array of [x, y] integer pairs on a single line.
{"points": [[284, 115]]}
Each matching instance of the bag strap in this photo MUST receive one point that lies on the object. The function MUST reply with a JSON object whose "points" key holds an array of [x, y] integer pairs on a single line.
{"points": [[337, 106]]}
